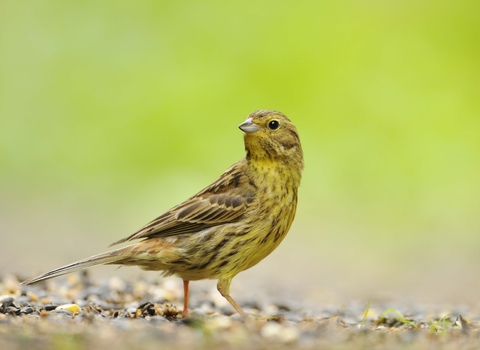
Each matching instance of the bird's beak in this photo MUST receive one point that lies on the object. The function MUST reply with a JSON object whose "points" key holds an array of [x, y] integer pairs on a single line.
{"points": [[248, 126]]}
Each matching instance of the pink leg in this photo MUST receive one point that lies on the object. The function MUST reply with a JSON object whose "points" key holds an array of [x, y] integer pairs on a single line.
{"points": [[185, 299]]}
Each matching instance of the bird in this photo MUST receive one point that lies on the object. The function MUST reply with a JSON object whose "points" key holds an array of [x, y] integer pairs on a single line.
{"points": [[229, 226]]}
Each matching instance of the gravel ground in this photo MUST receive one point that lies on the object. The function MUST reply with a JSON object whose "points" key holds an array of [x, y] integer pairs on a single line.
{"points": [[79, 313]]}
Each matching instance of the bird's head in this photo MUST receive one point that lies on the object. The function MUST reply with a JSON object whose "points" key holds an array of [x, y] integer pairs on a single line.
{"points": [[271, 135]]}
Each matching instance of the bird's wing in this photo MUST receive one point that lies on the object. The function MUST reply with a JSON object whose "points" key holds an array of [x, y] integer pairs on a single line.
{"points": [[225, 201]]}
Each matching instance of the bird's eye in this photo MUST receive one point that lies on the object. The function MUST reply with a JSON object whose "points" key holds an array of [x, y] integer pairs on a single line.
{"points": [[274, 124]]}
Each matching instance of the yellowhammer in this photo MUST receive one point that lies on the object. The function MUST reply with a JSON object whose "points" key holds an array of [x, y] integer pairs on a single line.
{"points": [[227, 227]]}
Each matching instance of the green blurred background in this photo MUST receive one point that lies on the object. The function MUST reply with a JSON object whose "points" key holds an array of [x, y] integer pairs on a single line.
{"points": [[113, 112]]}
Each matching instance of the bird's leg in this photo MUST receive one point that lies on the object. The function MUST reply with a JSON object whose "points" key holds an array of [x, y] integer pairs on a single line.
{"points": [[223, 287], [185, 299]]}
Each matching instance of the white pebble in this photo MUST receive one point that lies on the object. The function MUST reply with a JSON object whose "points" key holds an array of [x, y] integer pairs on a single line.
{"points": [[276, 331], [117, 284]]}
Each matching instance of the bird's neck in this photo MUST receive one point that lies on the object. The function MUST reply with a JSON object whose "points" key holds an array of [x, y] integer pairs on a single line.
{"points": [[266, 171]]}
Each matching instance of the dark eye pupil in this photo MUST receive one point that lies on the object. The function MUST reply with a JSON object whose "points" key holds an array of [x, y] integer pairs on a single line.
{"points": [[274, 124]]}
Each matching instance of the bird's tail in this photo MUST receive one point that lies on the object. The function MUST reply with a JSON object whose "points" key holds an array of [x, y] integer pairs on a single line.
{"points": [[111, 257]]}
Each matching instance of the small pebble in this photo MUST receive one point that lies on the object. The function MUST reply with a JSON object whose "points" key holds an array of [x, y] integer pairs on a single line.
{"points": [[27, 310], [5, 303], [158, 319], [276, 331], [117, 284], [50, 307], [219, 322], [271, 330], [73, 308], [198, 313]]}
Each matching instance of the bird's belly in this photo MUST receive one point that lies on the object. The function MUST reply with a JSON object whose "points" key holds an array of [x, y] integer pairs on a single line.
{"points": [[221, 251]]}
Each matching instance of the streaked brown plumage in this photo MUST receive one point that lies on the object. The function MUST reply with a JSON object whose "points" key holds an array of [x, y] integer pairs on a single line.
{"points": [[230, 225]]}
